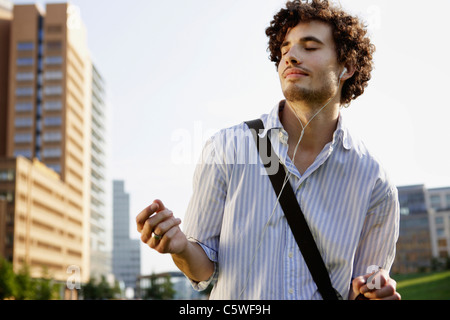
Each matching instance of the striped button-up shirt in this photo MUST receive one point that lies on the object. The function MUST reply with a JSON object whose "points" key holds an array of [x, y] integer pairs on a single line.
{"points": [[348, 201]]}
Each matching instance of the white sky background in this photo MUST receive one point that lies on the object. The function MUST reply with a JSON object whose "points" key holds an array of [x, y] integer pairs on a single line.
{"points": [[177, 71]]}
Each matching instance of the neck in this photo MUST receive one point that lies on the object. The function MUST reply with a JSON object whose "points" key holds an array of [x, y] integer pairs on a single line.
{"points": [[319, 126]]}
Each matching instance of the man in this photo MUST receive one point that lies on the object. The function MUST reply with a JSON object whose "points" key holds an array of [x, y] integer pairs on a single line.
{"points": [[236, 234]]}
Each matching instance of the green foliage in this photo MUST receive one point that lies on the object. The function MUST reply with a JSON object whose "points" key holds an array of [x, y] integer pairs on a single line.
{"points": [[21, 286], [7, 280], [160, 288], [94, 290]]}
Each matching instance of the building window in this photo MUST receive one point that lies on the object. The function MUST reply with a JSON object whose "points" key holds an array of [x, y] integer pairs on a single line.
{"points": [[23, 122], [25, 61], [442, 242], [23, 138], [52, 105], [53, 60], [24, 106], [53, 45], [4, 195], [23, 152], [25, 46], [51, 153], [435, 202], [53, 75], [440, 232], [439, 220], [52, 136], [24, 76], [52, 121], [24, 91], [6, 175], [56, 28], [52, 90]]}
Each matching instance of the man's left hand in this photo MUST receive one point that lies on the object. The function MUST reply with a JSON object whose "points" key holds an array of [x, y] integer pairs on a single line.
{"points": [[382, 287]]}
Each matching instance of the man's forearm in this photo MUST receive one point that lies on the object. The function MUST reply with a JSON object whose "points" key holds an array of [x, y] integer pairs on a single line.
{"points": [[194, 262]]}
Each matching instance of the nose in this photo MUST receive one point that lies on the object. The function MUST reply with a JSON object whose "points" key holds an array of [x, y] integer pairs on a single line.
{"points": [[291, 60], [292, 57]]}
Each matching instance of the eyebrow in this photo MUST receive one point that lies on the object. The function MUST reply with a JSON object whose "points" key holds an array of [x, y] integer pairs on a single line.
{"points": [[304, 39]]}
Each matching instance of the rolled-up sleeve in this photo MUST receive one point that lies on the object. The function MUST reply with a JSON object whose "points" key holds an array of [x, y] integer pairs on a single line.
{"points": [[203, 219], [212, 255], [379, 235]]}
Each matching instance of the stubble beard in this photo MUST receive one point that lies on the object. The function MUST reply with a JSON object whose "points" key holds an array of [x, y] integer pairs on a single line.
{"points": [[314, 97]]}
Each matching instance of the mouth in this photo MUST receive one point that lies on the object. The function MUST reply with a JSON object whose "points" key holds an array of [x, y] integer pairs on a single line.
{"points": [[294, 73]]}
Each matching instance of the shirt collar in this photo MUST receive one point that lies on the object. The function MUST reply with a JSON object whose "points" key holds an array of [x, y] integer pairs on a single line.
{"points": [[273, 119], [341, 134]]}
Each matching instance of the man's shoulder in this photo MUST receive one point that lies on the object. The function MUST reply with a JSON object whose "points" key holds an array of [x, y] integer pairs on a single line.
{"points": [[233, 145], [236, 132], [374, 164]]}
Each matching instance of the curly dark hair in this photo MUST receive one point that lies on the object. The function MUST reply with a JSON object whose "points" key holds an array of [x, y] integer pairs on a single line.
{"points": [[353, 47]]}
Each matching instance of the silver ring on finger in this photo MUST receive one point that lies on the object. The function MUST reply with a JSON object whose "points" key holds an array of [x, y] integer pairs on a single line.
{"points": [[156, 236]]}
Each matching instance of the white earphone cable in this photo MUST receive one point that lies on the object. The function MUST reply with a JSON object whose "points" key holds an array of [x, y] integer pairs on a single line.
{"points": [[286, 179]]}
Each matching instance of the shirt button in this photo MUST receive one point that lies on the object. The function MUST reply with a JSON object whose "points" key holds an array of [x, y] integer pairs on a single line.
{"points": [[291, 291], [290, 255]]}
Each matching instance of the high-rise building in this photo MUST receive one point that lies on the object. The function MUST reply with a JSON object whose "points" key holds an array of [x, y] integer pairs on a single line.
{"points": [[126, 251], [53, 174], [50, 91], [5, 31], [424, 228], [413, 199], [101, 211], [42, 223], [439, 199]]}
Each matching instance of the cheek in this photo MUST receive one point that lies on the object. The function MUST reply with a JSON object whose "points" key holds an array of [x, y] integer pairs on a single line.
{"points": [[280, 69]]}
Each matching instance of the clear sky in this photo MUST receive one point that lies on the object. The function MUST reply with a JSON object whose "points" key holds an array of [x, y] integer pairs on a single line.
{"points": [[177, 71]]}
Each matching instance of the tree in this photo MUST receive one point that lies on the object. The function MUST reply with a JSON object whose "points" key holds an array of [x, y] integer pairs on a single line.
{"points": [[161, 288], [101, 290], [21, 286], [45, 288], [7, 280], [25, 285]]}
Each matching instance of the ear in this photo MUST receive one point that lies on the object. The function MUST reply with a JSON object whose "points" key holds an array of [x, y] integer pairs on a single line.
{"points": [[350, 71]]}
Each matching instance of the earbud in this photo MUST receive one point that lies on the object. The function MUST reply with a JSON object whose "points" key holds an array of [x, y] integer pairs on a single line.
{"points": [[286, 180], [342, 74]]}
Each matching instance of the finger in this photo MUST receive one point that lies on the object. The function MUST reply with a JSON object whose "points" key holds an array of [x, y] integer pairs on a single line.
{"points": [[385, 292], [146, 233], [357, 283], [166, 225], [374, 280], [142, 217], [160, 205], [158, 218], [161, 230], [164, 245], [152, 222], [360, 282], [395, 296]]}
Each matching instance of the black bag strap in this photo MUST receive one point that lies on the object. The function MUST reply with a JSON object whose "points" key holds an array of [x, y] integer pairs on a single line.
{"points": [[297, 222]]}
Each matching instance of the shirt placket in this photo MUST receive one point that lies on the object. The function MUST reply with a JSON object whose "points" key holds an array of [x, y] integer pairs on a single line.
{"points": [[290, 290], [292, 256]]}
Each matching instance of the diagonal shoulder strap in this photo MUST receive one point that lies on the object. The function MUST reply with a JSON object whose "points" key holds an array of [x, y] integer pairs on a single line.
{"points": [[297, 222]]}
